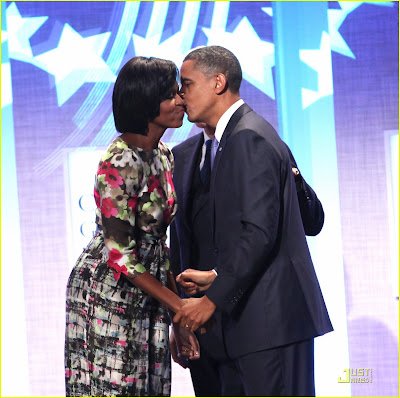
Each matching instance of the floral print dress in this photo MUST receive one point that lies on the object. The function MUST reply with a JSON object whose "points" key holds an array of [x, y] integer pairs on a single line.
{"points": [[117, 335]]}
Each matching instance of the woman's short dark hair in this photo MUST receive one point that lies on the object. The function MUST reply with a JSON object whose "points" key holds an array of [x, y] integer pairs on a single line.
{"points": [[211, 60], [142, 84]]}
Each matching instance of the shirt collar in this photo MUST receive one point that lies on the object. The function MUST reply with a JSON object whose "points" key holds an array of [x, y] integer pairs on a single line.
{"points": [[206, 137], [224, 120]]}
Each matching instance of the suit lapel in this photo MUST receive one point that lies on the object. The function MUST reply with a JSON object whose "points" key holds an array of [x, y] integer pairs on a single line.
{"points": [[233, 121]]}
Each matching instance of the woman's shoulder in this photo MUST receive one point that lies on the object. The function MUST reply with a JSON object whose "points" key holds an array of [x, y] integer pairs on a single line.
{"points": [[120, 155], [165, 150]]}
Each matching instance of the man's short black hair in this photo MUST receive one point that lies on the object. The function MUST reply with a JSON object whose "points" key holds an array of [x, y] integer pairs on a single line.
{"points": [[142, 84], [211, 60]]}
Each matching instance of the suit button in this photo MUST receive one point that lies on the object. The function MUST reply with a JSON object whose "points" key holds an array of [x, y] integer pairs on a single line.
{"points": [[216, 251]]}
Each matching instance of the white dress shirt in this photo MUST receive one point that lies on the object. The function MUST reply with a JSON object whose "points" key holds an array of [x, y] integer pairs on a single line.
{"points": [[221, 126]]}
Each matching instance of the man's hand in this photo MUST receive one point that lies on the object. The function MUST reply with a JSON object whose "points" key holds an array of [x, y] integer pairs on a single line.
{"points": [[195, 312], [193, 281]]}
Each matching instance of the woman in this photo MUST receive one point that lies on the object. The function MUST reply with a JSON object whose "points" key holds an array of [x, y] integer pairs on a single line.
{"points": [[117, 293]]}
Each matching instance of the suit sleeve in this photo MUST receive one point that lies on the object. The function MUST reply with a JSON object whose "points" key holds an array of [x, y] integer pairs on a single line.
{"points": [[312, 212], [256, 172]]}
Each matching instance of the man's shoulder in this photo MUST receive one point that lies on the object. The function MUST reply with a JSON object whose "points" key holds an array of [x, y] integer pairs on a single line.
{"points": [[187, 143], [254, 119], [252, 124]]}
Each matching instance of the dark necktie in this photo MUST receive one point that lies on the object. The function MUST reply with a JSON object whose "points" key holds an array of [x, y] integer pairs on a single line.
{"points": [[205, 171]]}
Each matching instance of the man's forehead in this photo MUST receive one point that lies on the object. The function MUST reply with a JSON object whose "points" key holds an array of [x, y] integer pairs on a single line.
{"points": [[189, 70]]}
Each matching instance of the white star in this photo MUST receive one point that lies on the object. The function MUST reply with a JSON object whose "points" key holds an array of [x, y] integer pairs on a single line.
{"points": [[319, 60], [255, 55], [175, 47], [75, 61], [170, 49], [335, 20], [19, 31], [268, 10]]}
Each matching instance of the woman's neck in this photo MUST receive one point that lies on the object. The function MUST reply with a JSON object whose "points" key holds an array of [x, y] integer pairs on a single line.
{"points": [[146, 142]]}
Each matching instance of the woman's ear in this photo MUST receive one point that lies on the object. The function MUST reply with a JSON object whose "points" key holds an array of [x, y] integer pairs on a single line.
{"points": [[221, 83]]}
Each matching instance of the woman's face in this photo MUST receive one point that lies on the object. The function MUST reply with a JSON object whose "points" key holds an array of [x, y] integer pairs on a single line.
{"points": [[171, 111]]}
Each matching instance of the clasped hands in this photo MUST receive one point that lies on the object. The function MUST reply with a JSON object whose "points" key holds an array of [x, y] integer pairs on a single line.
{"points": [[194, 313]]}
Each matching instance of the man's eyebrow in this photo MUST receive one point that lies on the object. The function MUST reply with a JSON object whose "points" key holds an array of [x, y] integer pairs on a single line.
{"points": [[185, 80]]}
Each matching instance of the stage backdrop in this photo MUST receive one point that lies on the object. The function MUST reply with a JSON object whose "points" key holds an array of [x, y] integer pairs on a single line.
{"points": [[325, 74]]}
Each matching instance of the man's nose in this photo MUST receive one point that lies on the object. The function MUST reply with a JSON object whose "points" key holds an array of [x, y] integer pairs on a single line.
{"points": [[179, 99]]}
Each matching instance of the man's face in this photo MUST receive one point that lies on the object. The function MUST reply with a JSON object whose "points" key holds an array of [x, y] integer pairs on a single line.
{"points": [[198, 93]]}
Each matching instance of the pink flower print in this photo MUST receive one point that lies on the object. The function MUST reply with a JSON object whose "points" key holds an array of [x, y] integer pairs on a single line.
{"points": [[96, 197], [113, 178], [103, 168], [107, 208], [154, 184], [114, 255], [171, 202], [168, 211], [168, 177], [117, 269], [166, 215], [132, 202], [111, 173]]}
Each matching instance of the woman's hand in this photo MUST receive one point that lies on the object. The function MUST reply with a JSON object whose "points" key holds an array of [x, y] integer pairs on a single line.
{"points": [[184, 345]]}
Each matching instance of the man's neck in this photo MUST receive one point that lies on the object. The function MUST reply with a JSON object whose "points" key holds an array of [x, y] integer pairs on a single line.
{"points": [[221, 107], [210, 131]]}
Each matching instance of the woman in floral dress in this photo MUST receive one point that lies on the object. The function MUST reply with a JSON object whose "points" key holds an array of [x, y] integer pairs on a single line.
{"points": [[117, 294]]}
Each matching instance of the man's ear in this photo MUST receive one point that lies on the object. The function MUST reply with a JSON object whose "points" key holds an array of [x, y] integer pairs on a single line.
{"points": [[221, 84]]}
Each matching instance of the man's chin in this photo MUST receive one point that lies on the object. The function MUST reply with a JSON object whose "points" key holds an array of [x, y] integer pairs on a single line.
{"points": [[193, 119], [190, 118]]}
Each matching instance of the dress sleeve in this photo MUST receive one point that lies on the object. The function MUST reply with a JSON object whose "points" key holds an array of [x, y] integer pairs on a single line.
{"points": [[118, 181]]}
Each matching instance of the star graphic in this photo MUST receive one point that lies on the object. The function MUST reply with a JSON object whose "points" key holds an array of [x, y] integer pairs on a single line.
{"points": [[19, 31], [335, 20], [76, 61], [256, 65], [268, 10], [171, 49], [175, 47], [319, 60]]}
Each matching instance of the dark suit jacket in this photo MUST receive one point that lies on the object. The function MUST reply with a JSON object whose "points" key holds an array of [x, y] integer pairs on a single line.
{"points": [[266, 284], [186, 159]]}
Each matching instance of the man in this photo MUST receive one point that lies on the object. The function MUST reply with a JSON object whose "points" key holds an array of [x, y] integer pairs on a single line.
{"points": [[192, 249], [266, 291]]}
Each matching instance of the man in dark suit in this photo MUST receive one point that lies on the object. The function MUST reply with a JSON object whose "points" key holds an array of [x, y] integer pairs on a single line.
{"points": [[192, 249], [266, 290]]}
